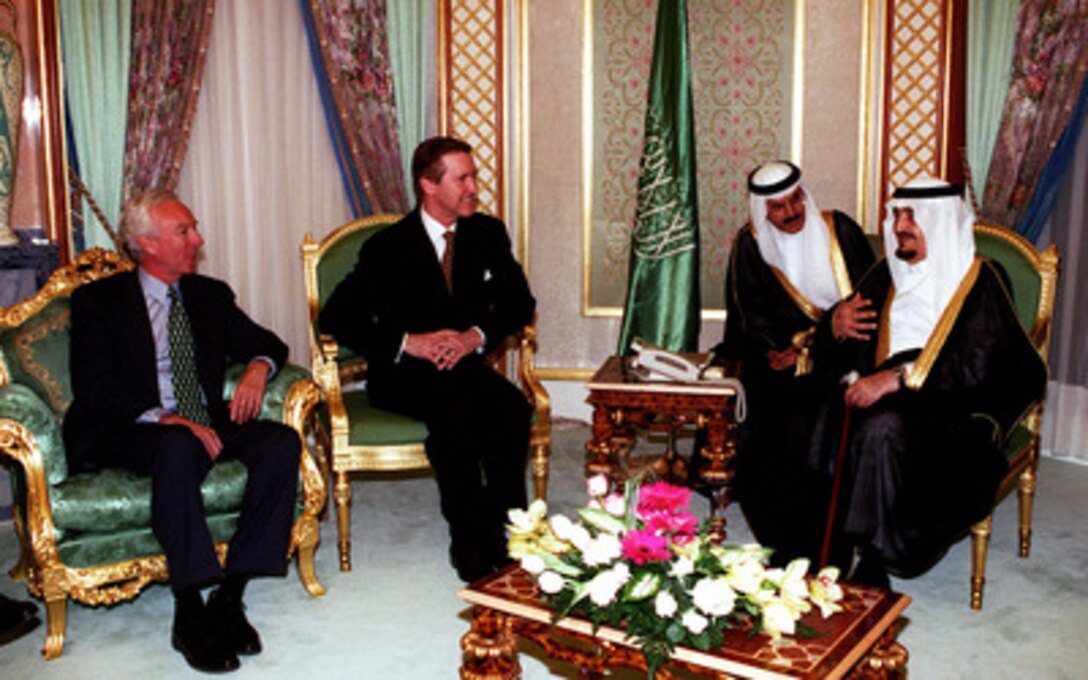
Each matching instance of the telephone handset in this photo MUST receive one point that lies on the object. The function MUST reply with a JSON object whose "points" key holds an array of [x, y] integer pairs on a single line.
{"points": [[654, 363]]}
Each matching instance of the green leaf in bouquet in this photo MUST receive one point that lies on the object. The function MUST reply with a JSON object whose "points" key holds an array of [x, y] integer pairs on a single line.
{"points": [[701, 641], [644, 586], [602, 520], [559, 565]]}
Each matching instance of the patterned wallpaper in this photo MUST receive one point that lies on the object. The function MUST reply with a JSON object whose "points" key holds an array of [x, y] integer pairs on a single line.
{"points": [[742, 64]]}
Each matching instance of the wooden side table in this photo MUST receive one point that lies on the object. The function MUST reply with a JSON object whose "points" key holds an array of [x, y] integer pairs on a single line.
{"points": [[858, 642], [625, 405]]}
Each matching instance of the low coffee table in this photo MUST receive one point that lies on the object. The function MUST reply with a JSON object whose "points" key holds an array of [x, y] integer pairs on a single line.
{"points": [[858, 642]]}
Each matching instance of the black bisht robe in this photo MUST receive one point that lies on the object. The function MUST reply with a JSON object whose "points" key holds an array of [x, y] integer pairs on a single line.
{"points": [[923, 464], [781, 498]]}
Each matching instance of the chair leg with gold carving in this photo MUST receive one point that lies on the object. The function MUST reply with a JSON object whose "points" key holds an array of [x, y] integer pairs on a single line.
{"points": [[489, 650], [306, 531], [540, 471], [1026, 492], [342, 497], [980, 542], [56, 611]]}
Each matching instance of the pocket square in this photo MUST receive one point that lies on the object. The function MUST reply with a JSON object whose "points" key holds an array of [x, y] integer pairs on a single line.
{"points": [[487, 275]]}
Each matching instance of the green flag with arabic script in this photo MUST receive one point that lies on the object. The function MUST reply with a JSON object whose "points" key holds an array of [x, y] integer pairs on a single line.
{"points": [[662, 304]]}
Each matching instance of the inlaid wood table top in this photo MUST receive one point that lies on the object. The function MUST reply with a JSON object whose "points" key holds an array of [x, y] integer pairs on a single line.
{"points": [[856, 642]]}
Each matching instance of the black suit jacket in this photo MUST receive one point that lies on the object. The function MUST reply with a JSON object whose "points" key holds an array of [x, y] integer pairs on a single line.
{"points": [[114, 377], [397, 287]]}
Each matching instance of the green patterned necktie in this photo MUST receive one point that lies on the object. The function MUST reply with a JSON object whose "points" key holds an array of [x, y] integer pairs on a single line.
{"points": [[183, 363]]}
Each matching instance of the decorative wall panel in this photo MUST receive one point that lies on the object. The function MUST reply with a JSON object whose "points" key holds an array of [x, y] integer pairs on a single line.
{"points": [[471, 91], [742, 62], [916, 92]]}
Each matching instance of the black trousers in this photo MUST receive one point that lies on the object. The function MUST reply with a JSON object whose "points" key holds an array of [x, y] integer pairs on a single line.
{"points": [[177, 463], [478, 444]]}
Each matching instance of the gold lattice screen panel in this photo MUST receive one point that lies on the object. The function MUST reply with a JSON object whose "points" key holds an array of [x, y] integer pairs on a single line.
{"points": [[915, 125], [471, 89]]}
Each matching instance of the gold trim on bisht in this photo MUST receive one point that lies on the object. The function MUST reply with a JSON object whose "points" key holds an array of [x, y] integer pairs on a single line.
{"points": [[838, 262], [919, 370], [810, 310]]}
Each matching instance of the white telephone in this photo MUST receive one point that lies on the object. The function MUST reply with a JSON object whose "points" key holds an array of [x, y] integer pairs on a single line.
{"points": [[654, 363], [650, 362]]}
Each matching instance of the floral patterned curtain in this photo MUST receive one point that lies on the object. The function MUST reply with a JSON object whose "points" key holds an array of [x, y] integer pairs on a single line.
{"points": [[354, 48], [169, 43], [1049, 66]]}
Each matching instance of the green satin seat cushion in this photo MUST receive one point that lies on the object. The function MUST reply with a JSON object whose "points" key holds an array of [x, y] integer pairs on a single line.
{"points": [[35, 354], [371, 426], [23, 405], [90, 549], [114, 499]]}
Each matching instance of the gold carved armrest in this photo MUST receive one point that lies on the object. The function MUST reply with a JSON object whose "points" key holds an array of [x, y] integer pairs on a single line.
{"points": [[21, 441], [530, 383]]}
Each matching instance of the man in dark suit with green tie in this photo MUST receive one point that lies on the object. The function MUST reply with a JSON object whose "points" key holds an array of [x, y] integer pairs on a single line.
{"points": [[428, 298], [148, 353]]}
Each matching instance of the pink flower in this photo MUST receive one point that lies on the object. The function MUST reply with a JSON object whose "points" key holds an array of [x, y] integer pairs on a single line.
{"points": [[662, 497], [641, 546], [679, 527]]}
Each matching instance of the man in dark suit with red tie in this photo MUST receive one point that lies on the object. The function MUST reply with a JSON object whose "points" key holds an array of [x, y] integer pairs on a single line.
{"points": [[149, 349], [428, 298]]}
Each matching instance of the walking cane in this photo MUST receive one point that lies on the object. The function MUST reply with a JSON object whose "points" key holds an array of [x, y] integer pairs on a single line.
{"points": [[840, 459]]}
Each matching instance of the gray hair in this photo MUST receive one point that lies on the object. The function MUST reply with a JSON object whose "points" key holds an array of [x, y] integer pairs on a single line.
{"points": [[136, 218]]}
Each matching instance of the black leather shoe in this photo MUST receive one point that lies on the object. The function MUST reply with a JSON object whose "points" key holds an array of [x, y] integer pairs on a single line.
{"points": [[16, 619], [202, 647], [230, 619]]}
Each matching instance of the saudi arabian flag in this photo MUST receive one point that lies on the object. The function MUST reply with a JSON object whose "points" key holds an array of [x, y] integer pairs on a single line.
{"points": [[662, 304]]}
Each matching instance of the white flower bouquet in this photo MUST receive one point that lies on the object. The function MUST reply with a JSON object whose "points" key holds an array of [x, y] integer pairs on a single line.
{"points": [[639, 561]]}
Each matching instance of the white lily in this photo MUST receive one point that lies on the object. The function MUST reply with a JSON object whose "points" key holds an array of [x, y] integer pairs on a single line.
{"points": [[778, 619]]}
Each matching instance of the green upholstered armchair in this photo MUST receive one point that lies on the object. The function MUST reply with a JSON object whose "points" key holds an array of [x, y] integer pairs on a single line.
{"points": [[88, 536], [365, 438], [1033, 278]]}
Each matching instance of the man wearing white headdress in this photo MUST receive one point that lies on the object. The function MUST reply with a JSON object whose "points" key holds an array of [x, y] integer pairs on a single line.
{"points": [[787, 265], [948, 373]]}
